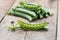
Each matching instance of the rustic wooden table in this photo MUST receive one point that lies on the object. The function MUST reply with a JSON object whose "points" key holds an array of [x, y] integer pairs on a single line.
{"points": [[53, 32]]}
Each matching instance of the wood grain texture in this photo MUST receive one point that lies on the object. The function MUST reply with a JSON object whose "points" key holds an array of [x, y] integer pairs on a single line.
{"points": [[4, 6], [5, 33], [51, 33], [58, 27]]}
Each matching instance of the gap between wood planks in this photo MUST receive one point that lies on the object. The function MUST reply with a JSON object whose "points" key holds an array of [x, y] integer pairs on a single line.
{"points": [[14, 34], [57, 20], [6, 12]]}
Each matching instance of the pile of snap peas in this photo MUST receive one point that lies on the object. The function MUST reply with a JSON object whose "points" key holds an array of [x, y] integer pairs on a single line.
{"points": [[31, 27], [30, 11]]}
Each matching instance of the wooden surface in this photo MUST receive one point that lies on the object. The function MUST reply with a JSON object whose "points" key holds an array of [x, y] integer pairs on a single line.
{"points": [[4, 7], [5, 34], [58, 29]]}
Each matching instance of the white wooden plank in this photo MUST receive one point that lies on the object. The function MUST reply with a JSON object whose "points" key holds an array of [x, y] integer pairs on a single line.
{"points": [[31, 35], [4, 6], [5, 34]]}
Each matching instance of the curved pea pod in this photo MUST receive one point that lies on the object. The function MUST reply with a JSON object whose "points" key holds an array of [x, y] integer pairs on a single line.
{"points": [[28, 17], [30, 6], [26, 26], [28, 12], [33, 4], [33, 27]]}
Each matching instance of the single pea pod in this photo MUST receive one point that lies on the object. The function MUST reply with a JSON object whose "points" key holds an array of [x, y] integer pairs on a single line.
{"points": [[20, 14], [33, 4], [32, 26], [30, 6], [31, 13]]}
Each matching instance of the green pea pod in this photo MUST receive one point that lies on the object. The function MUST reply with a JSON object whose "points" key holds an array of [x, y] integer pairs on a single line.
{"points": [[32, 26], [38, 9], [31, 13], [26, 26], [46, 15], [30, 6], [21, 15], [22, 3], [46, 11]]}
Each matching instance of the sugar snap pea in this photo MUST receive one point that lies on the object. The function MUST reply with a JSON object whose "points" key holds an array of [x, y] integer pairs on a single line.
{"points": [[32, 26], [21, 15], [30, 6], [31, 13], [26, 26]]}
